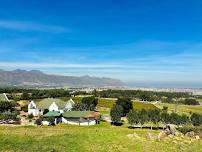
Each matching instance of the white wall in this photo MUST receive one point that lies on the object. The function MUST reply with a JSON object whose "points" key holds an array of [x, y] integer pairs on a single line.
{"points": [[35, 112], [53, 107], [91, 122]]}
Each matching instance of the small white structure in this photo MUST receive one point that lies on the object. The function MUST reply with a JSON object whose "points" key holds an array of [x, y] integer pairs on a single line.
{"points": [[69, 105], [53, 107], [32, 109]]}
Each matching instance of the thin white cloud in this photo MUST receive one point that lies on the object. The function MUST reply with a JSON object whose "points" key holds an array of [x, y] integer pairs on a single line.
{"points": [[32, 26], [49, 65]]}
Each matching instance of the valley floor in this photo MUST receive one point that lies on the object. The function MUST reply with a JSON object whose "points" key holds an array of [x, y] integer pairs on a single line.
{"points": [[101, 138]]}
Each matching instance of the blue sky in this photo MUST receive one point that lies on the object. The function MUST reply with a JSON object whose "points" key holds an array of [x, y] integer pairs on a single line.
{"points": [[132, 40]]}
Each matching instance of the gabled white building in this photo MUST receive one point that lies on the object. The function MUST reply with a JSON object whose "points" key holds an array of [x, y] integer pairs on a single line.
{"points": [[32, 109], [54, 105], [69, 105]]}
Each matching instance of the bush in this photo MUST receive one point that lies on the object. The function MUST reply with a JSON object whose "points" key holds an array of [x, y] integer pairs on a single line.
{"points": [[191, 102], [45, 111], [186, 129], [7, 116], [196, 119], [30, 116], [38, 122], [25, 109]]}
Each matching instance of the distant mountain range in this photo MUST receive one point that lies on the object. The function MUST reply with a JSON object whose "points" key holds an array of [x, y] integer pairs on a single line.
{"points": [[35, 78]]}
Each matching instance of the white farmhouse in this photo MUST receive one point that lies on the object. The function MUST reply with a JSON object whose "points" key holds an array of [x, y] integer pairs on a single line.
{"points": [[69, 105], [32, 109], [53, 107]]}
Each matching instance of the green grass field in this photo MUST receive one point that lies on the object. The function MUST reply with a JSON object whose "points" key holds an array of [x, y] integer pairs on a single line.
{"points": [[101, 138], [186, 109]]}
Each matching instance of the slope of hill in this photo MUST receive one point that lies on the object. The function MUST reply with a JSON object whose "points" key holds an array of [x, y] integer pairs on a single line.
{"points": [[40, 79]]}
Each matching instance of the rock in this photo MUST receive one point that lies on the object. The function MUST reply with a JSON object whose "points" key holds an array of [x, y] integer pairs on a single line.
{"points": [[134, 135], [197, 137], [151, 136], [162, 135], [171, 128], [190, 134], [167, 131]]}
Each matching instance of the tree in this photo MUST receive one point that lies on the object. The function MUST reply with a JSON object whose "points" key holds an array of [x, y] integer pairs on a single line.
{"points": [[126, 104], [45, 111], [165, 117], [145, 96], [175, 118], [133, 117], [153, 116], [80, 107], [6, 106], [143, 116], [191, 102], [90, 102], [184, 119], [116, 113], [196, 119]]}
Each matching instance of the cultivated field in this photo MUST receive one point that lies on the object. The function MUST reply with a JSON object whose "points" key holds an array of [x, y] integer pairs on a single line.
{"points": [[101, 138], [186, 109]]}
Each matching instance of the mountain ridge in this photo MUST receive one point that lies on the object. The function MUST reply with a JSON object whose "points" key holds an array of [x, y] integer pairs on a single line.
{"points": [[36, 78]]}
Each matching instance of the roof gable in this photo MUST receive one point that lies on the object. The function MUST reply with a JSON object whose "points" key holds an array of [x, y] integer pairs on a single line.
{"points": [[3, 97], [45, 103]]}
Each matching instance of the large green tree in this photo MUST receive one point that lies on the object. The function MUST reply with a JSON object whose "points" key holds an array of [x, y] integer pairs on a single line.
{"points": [[116, 113], [126, 104]]}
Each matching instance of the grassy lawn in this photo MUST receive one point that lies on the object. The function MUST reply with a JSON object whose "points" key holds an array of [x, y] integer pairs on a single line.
{"points": [[186, 109], [143, 105], [101, 138]]}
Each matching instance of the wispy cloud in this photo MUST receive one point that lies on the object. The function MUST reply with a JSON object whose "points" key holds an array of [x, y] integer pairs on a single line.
{"points": [[50, 65], [32, 26]]}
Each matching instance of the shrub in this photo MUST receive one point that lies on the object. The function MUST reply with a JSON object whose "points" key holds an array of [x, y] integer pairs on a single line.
{"points": [[191, 102], [38, 121], [45, 111], [30, 116], [186, 129], [196, 119], [25, 109], [7, 116]]}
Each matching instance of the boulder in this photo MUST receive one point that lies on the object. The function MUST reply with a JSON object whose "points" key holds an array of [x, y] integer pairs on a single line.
{"points": [[134, 135], [197, 137], [151, 136], [190, 134], [162, 135], [171, 128]]}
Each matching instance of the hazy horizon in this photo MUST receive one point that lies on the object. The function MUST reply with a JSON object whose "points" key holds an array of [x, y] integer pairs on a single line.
{"points": [[135, 41]]}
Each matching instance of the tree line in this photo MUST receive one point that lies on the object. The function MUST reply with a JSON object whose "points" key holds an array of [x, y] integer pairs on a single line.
{"points": [[29, 94], [124, 107]]}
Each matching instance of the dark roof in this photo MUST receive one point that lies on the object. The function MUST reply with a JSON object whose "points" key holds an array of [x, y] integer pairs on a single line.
{"points": [[52, 114], [76, 114]]}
